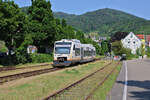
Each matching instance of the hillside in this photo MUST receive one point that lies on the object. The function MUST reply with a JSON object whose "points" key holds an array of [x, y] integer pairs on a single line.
{"points": [[106, 21]]}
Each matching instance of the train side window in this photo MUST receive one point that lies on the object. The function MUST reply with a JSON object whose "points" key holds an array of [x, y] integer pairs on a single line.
{"points": [[85, 53], [77, 51], [74, 47]]}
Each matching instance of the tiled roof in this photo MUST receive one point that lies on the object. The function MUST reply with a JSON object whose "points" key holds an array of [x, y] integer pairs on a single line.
{"points": [[140, 36], [148, 38]]}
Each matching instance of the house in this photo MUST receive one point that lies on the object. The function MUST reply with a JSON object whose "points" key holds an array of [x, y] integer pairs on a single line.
{"points": [[132, 42], [144, 37], [148, 38]]}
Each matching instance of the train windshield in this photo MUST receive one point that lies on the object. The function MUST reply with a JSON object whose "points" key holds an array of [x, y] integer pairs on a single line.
{"points": [[62, 48]]}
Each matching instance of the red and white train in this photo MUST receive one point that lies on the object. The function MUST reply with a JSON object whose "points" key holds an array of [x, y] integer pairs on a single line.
{"points": [[68, 52]]}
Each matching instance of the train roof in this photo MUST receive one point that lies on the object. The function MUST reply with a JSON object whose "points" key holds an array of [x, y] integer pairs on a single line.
{"points": [[69, 40], [88, 45], [77, 41]]}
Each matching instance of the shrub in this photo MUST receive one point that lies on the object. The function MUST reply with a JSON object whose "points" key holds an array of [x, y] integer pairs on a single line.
{"points": [[3, 47], [118, 49], [40, 58], [21, 55], [138, 52], [148, 51]]}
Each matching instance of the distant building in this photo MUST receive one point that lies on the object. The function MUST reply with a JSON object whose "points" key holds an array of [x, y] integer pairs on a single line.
{"points": [[31, 49], [144, 37], [132, 42], [102, 38], [148, 40], [140, 36], [99, 39]]}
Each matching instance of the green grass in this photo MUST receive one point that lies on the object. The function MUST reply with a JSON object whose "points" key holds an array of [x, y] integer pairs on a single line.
{"points": [[27, 65], [99, 56], [30, 64], [42, 86], [11, 72], [102, 92]]}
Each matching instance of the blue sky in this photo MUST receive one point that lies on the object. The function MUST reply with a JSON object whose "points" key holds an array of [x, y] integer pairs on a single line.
{"points": [[139, 8]]}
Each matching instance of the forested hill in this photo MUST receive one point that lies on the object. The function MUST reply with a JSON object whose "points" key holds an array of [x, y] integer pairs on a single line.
{"points": [[106, 21]]}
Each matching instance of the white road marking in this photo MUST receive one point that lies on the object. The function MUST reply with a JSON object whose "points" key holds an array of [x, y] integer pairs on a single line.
{"points": [[126, 82]]}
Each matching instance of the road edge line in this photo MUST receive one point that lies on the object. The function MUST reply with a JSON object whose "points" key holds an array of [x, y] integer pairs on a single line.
{"points": [[126, 82]]}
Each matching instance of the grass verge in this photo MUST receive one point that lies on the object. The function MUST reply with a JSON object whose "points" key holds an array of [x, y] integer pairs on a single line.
{"points": [[37, 88], [11, 72], [102, 92], [26, 65]]}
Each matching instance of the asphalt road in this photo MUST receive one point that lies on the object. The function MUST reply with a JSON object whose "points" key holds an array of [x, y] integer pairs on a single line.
{"points": [[137, 86]]}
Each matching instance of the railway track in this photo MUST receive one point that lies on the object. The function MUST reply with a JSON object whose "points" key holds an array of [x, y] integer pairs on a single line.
{"points": [[100, 84], [79, 90], [8, 78], [12, 77], [14, 68]]}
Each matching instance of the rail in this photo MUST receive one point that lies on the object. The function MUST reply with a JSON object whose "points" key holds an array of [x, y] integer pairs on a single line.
{"points": [[52, 96]]}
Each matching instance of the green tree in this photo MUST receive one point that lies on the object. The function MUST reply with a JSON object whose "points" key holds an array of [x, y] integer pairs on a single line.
{"points": [[148, 51], [42, 24], [12, 24], [21, 52], [142, 49], [3, 47], [64, 23], [104, 46], [118, 49]]}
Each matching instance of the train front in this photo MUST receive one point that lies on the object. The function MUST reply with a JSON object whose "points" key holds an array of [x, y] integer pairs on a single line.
{"points": [[62, 53]]}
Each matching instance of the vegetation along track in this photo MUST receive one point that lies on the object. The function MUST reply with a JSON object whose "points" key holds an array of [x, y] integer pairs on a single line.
{"points": [[8, 78], [14, 68], [80, 90]]}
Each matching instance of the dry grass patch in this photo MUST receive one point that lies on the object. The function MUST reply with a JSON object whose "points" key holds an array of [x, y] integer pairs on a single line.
{"points": [[102, 92], [49, 83], [31, 64], [11, 72], [83, 89]]}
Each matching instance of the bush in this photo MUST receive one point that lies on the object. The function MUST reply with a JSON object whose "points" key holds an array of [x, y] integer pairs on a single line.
{"points": [[118, 49], [3, 47], [148, 51], [131, 56], [7, 60], [21, 55], [41, 58]]}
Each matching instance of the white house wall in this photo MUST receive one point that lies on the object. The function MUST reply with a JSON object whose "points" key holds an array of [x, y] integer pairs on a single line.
{"points": [[132, 42]]}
